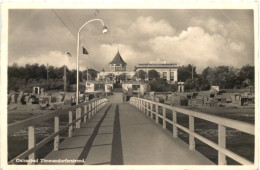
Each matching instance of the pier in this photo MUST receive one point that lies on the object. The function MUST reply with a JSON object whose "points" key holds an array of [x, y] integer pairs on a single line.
{"points": [[108, 131]]}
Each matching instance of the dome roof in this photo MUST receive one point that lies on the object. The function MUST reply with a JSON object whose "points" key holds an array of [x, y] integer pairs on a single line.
{"points": [[118, 59]]}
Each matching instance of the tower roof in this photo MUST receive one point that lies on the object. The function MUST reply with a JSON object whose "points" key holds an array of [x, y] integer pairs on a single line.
{"points": [[118, 59]]}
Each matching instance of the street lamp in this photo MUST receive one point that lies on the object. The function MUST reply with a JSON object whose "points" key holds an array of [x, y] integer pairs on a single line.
{"points": [[104, 31]]}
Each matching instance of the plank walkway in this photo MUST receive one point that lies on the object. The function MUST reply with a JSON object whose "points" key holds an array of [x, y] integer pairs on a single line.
{"points": [[119, 134]]}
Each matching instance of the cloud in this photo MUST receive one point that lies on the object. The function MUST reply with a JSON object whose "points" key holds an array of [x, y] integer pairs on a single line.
{"points": [[196, 46], [237, 47], [210, 24], [235, 28], [202, 38], [33, 44], [148, 26], [54, 58], [142, 28]]}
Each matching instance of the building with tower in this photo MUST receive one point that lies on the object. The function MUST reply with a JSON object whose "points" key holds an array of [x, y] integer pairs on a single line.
{"points": [[117, 64], [117, 70]]}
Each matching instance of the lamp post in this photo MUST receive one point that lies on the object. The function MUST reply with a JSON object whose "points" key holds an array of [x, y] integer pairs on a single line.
{"points": [[47, 73], [104, 31]]}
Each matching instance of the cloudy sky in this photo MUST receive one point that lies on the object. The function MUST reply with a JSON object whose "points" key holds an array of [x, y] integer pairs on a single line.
{"points": [[200, 37]]}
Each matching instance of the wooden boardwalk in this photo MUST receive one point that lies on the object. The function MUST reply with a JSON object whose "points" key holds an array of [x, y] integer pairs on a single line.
{"points": [[119, 134]]}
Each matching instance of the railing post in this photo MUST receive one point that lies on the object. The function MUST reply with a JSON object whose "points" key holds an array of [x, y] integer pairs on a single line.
{"points": [[142, 105], [139, 104], [71, 126], [78, 115], [156, 113], [92, 109], [164, 117], [191, 137], [89, 110], [56, 129], [174, 119], [95, 105], [31, 142], [151, 110], [85, 113], [222, 144], [147, 108]]}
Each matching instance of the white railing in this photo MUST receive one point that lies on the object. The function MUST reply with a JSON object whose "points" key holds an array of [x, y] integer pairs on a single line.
{"points": [[90, 108], [148, 106]]}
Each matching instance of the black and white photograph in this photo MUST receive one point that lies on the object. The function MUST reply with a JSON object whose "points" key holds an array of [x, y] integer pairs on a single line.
{"points": [[100, 86]]}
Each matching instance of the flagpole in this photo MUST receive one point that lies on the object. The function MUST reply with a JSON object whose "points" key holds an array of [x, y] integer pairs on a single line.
{"points": [[47, 74], [87, 74], [77, 93], [65, 76]]}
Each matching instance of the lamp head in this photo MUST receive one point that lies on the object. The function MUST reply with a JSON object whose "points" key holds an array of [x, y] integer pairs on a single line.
{"points": [[105, 30]]}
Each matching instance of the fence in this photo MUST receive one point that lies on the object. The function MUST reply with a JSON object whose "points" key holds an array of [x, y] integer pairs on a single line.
{"points": [[90, 108], [148, 106]]}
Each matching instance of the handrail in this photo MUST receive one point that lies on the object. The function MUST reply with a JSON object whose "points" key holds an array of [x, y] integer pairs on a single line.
{"points": [[13, 127], [93, 107], [235, 124], [143, 105]]}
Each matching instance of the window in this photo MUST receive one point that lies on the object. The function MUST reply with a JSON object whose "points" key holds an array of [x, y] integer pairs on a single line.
{"points": [[172, 76], [136, 87], [118, 68], [112, 67], [165, 75]]}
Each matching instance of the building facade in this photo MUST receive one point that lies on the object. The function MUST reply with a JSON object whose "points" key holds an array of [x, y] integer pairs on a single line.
{"points": [[167, 71], [117, 70]]}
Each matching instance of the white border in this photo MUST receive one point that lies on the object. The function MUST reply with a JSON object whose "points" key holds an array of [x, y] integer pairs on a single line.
{"points": [[113, 4]]}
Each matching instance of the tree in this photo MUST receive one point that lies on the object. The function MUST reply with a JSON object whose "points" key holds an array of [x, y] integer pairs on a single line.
{"points": [[153, 75], [160, 86], [185, 72], [122, 76], [231, 78], [246, 76], [93, 73], [223, 76], [141, 74], [191, 84], [202, 81], [72, 77]]}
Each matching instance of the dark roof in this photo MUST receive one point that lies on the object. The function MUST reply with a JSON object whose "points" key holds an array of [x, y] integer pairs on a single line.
{"points": [[118, 59]]}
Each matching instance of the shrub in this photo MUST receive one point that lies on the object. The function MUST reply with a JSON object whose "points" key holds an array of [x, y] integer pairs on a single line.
{"points": [[160, 86], [184, 102]]}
